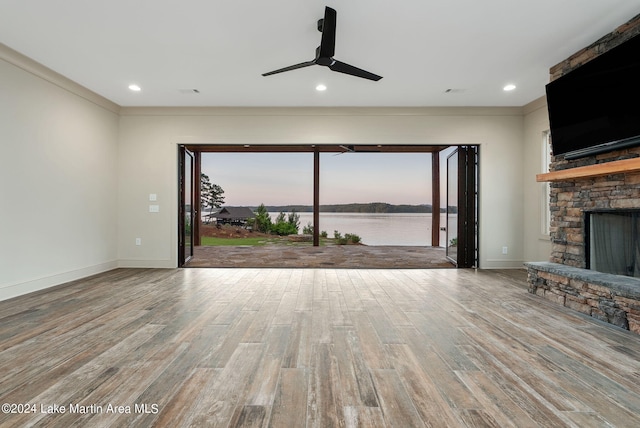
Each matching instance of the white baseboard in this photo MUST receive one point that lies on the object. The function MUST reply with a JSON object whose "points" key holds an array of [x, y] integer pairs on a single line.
{"points": [[154, 264], [18, 289], [502, 264]]}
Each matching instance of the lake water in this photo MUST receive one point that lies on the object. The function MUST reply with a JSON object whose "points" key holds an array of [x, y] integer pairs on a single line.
{"points": [[411, 229]]}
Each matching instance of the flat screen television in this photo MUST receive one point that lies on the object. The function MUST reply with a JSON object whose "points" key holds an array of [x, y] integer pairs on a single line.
{"points": [[596, 107]]}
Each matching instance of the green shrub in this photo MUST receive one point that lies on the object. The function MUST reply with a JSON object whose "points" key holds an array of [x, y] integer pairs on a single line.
{"points": [[286, 225], [346, 239], [294, 220], [283, 229], [308, 229], [353, 238]]}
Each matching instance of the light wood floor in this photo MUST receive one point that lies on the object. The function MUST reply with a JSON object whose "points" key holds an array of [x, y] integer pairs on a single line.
{"points": [[311, 347]]}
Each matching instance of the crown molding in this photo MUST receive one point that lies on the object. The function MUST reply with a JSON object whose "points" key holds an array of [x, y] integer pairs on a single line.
{"points": [[35, 68], [534, 105], [321, 111]]}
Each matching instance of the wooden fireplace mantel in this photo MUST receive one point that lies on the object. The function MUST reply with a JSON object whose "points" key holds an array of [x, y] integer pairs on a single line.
{"points": [[615, 167]]}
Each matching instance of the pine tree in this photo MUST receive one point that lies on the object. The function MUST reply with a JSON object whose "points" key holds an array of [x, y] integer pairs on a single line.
{"points": [[263, 219], [211, 195]]}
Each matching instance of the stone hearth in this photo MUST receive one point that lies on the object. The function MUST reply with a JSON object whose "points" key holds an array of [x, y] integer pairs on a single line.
{"points": [[611, 298]]}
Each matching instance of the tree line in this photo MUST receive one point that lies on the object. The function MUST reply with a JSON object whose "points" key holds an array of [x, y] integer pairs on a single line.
{"points": [[371, 207]]}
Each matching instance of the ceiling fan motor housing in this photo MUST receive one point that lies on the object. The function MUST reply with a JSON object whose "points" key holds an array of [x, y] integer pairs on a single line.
{"points": [[325, 52]]}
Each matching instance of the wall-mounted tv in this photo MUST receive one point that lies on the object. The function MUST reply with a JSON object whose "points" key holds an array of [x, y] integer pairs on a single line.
{"points": [[596, 107]]}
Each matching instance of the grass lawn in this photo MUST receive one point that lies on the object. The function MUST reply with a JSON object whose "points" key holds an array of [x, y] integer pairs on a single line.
{"points": [[257, 241], [207, 240]]}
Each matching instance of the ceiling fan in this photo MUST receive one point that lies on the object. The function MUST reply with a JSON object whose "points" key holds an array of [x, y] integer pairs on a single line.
{"points": [[326, 50], [359, 149]]}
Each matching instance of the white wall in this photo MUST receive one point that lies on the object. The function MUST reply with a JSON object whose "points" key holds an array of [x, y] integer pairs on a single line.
{"points": [[76, 170], [147, 162], [536, 122], [57, 178]]}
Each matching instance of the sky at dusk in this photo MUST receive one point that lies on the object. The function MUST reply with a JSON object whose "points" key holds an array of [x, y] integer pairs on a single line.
{"points": [[287, 178]]}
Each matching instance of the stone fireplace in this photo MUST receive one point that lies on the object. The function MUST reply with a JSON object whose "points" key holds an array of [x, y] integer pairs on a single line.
{"points": [[566, 278], [578, 204]]}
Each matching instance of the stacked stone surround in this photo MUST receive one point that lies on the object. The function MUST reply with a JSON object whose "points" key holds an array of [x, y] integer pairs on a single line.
{"points": [[565, 279], [570, 199]]}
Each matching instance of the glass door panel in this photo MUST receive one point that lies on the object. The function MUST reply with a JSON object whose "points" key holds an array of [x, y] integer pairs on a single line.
{"points": [[186, 215], [452, 207]]}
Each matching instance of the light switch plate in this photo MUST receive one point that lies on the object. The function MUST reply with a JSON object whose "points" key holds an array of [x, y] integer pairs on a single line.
{"points": [[154, 208], [153, 197]]}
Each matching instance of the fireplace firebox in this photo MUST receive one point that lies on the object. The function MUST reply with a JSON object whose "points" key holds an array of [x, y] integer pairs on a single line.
{"points": [[613, 241]]}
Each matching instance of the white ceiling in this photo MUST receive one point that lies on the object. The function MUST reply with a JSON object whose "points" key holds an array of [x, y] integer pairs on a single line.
{"points": [[421, 48]]}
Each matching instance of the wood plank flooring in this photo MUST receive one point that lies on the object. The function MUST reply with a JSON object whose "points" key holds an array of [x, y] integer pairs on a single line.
{"points": [[310, 348]]}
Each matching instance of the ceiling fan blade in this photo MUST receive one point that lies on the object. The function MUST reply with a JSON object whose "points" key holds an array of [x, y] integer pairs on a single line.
{"points": [[345, 149], [328, 42], [341, 67], [291, 67]]}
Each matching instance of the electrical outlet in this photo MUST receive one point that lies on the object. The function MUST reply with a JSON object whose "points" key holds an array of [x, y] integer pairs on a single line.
{"points": [[505, 250], [138, 241]]}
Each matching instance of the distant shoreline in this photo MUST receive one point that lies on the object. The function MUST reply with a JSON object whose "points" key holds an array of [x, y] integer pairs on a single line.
{"points": [[371, 207]]}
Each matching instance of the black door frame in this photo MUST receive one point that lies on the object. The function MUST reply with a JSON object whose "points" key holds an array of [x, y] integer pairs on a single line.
{"points": [[467, 252]]}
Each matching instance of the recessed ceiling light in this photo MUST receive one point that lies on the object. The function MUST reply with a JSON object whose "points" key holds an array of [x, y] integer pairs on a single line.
{"points": [[509, 87], [135, 88], [321, 88]]}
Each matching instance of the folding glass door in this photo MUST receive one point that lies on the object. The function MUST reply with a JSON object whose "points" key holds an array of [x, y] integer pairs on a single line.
{"points": [[187, 210], [462, 206]]}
